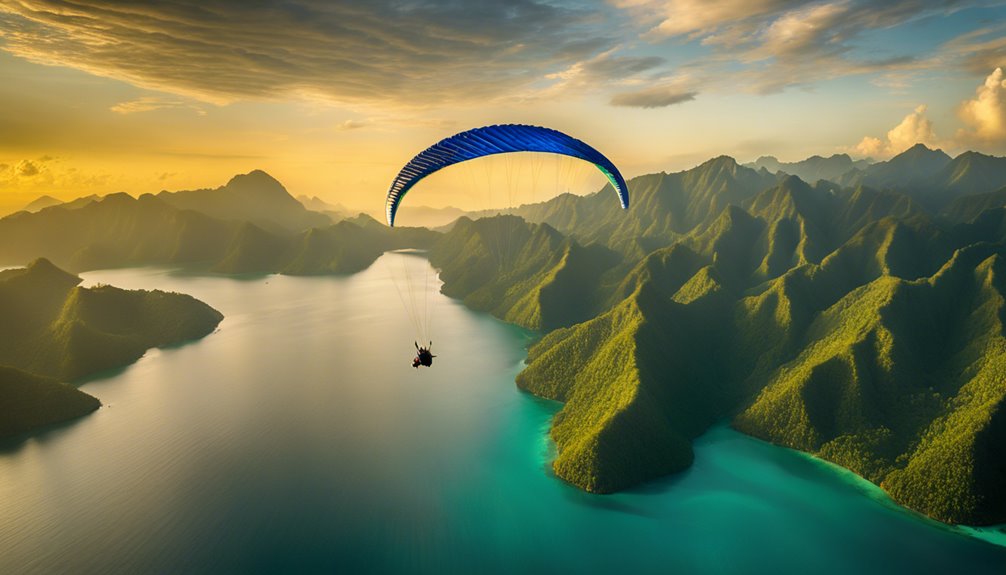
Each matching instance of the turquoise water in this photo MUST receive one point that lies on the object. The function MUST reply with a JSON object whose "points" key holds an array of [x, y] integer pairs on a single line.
{"points": [[298, 438]]}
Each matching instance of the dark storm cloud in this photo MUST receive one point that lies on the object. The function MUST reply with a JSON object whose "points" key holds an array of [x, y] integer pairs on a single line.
{"points": [[393, 52]]}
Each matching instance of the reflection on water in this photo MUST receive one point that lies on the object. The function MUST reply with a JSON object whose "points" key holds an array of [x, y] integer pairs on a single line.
{"points": [[299, 438]]}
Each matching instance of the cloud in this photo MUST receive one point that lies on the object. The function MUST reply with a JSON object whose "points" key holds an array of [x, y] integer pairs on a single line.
{"points": [[399, 54], [655, 97], [979, 50], [985, 114], [46, 174], [871, 147], [151, 103], [915, 128], [783, 43], [351, 125], [26, 169], [601, 72], [696, 18]]}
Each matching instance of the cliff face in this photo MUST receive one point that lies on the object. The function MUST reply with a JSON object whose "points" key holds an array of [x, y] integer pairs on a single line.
{"points": [[847, 323]]}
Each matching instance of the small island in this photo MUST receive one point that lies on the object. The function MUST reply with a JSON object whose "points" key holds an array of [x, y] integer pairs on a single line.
{"points": [[52, 330]]}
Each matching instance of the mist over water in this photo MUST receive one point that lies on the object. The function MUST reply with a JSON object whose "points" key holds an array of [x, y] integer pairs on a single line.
{"points": [[299, 438]]}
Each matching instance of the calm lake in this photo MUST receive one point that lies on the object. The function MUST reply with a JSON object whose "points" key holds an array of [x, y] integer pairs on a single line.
{"points": [[298, 438]]}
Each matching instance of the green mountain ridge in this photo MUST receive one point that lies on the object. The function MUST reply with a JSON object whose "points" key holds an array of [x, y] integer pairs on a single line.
{"points": [[528, 274], [845, 322], [53, 327]]}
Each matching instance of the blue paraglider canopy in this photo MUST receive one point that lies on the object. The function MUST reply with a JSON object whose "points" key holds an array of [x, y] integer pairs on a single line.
{"points": [[499, 139]]}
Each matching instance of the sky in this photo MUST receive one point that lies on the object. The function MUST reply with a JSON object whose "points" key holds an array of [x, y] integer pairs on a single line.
{"points": [[332, 98]]}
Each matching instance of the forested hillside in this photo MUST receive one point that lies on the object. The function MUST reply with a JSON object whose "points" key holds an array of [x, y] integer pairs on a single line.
{"points": [[861, 324]]}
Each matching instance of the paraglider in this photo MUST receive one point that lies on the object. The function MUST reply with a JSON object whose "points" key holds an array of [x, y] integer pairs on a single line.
{"points": [[424, 356], [499, 139], [489, 141]]}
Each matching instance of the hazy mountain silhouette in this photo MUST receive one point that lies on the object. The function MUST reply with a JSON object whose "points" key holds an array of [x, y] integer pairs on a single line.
{"points": [[119, 230], [931, 177], [427, 217], [254, 197], [41, 203], [319, 205], [813, 168]]}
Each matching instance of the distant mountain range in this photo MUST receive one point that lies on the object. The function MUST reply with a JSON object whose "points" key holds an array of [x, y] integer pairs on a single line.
{"points": [[930, 177], [181, 229], [41, 203], [813, 168], [254, 197]]}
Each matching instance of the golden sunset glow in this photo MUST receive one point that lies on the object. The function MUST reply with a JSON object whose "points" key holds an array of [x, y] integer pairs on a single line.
{"points": [[108, 96]]}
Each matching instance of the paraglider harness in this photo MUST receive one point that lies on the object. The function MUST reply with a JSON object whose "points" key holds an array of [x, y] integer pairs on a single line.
{"points": [[423, 356]]}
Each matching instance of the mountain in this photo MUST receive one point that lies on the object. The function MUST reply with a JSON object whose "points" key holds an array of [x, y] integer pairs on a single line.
{"points": [[335, 212], [427, 217], [41, 203], [254, 197], [528, 274], [971, 173], [80, 202], [912, 169], [813, 168], [931, 177], [317, 204], [901, 381], [114, 231], [119, 230], [844, 322], [53, 327], [967, 208], [663, 208], [346, 247]]}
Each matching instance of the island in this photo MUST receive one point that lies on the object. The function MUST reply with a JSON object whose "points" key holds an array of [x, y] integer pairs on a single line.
{"points": [[53, 331]]}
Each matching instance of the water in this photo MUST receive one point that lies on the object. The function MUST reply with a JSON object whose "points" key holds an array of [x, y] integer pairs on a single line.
{"points": [[299, 438]]}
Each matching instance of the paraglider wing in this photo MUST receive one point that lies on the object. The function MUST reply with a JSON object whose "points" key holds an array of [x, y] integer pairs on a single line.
{"points": [[499, 139]]}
